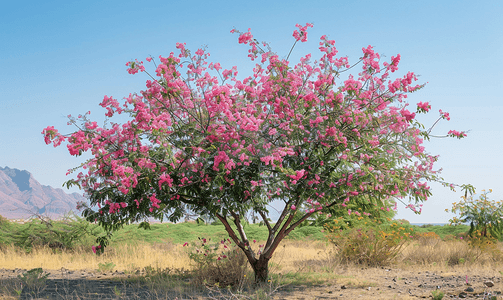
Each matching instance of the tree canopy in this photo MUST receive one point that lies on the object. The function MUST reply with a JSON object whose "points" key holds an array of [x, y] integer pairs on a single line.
{"points": [[200, 138]]}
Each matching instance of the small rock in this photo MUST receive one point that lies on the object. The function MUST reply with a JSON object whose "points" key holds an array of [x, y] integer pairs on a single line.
{"points": [[469, 290], [489, 283], [343, 287]]}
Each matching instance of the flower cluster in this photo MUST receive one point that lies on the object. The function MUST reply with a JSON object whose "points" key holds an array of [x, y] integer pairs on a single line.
{"points": [[457, 134]]}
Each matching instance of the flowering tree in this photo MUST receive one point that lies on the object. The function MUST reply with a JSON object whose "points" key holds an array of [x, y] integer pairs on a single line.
{"points": [[199, 138]]}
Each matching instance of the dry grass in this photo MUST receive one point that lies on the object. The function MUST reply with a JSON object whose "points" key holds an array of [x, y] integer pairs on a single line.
{"points": [[295, 263], [303, 256], [126, 257], [291, 256], [450, 253]]}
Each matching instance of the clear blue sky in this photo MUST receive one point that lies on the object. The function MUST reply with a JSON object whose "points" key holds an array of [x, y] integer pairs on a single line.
{"points": [[62, 57]]}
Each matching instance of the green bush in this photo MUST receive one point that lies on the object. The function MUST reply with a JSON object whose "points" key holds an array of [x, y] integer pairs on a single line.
{"points": [[484, 216], [310, 232], [369, 243], [65, 234], [437, 295]]}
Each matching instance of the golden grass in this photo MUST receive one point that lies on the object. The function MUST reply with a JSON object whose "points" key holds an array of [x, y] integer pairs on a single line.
{"points": [[125, 257], [451, 253], [291, 256], [302, 256]]}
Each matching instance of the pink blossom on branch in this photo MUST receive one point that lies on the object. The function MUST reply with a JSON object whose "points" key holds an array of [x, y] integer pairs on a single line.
{"points": [[444, 115], [301, 34], [135, 66], [425, 107], [457, 134]]}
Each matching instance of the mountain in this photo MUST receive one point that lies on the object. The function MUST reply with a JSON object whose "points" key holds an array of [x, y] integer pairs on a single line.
{"points": [[21, 196]]}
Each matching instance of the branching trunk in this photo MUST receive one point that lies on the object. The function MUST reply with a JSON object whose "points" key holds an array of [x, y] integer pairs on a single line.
{"points": [[261, 269], [260, 265]]}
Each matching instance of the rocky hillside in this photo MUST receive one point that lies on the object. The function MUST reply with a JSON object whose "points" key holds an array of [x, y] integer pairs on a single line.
{"points": [[22, 196]]}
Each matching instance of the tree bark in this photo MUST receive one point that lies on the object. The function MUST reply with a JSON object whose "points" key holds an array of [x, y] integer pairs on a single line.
{"points": [[261, 269]]}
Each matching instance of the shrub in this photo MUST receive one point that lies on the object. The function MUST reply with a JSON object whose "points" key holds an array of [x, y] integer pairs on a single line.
{"points": [[34, 280], [486, 245], [369, 244], [3, 220], [218, 264], [437, 295], [483, 215], [427, 238], [106, 267], [64, 234]]}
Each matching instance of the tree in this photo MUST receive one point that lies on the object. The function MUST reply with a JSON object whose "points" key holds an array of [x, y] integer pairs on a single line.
{"points": [[484, 215], [223, 147]]}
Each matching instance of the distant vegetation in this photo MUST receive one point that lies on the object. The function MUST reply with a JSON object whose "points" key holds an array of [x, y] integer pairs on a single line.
{"points": [[74, 232]]}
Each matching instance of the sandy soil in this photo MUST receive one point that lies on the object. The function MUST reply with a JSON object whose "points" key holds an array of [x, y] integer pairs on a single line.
{"points": [[404, 284], [351, 284]]}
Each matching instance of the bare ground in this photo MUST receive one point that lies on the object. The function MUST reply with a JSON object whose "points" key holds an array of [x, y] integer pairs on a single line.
{"points": [[351, 283]]}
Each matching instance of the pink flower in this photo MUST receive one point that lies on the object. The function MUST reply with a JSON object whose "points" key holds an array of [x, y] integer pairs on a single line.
{"points": [[298, 174], [302, 35], [222, 156], [244, 38], [293, 207], [135, 66], [455, 133], [424, 106], [407, 114], [165, 178], [444, 115], [95, 248], [155, 202]]}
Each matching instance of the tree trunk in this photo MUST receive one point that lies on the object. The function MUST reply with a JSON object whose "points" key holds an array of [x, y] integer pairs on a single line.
{"points": [[261, 270]]}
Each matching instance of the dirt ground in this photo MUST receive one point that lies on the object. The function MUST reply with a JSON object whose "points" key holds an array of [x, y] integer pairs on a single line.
{"points": [[350, 284], [404, 284]]}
